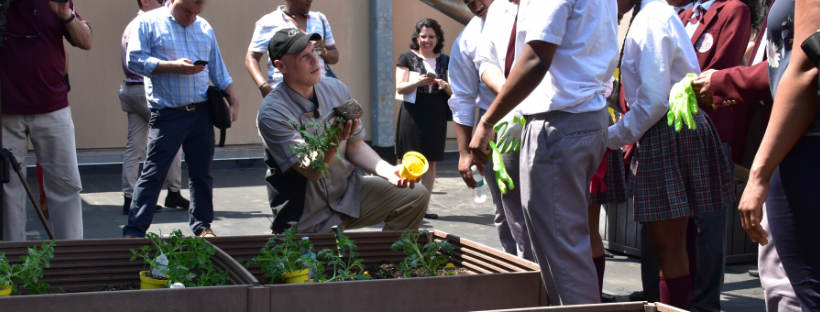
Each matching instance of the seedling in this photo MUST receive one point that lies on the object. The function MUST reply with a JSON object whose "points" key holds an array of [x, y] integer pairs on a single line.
{"points": [[282, 255], [189, 260], [342, 270], [323, 137], [30, 272], [427, 257]]}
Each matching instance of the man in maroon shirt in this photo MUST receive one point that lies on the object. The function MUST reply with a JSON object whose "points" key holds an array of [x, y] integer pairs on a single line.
{"points": [[35, 106]]}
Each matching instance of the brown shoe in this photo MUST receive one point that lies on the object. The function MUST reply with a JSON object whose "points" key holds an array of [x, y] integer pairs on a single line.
{"points": [[130, 236], [44, 206], [207, 233]]}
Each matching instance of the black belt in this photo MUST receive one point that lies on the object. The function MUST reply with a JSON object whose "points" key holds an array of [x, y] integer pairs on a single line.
{"points": [[133, 83], [189, 106]]}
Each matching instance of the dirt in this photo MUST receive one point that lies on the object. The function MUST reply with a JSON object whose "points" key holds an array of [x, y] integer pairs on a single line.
{"points": [[159, 278], [116, 287], [385, 270]]}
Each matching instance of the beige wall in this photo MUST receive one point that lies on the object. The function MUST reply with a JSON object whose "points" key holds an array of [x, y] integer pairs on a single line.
{"points": [[97, 74]]}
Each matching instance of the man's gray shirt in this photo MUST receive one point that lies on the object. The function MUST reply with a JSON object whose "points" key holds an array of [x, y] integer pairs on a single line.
{"points": [[325, 199]]}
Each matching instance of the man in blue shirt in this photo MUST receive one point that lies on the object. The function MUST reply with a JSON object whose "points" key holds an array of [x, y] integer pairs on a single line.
{"points": [[163, 47]]}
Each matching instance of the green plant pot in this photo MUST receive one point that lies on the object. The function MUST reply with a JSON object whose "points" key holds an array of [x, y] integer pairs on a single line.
{"points": [[149, 283], [297, 277], [5, 291]]}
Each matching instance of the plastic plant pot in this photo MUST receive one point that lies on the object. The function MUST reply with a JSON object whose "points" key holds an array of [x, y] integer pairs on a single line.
{"points": [[150, 283], [414, 164], [297, 277], [5, 290]]}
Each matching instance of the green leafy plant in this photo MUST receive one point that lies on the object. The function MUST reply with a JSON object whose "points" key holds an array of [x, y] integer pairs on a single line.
{"points": [[342, 270], [189, 260], [323, 137], [30, 272], [285, 254], [429, 257]]}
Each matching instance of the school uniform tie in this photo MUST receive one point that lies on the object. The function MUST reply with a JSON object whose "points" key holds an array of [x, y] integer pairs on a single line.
{"points": [[510, 49], [697, 14]]}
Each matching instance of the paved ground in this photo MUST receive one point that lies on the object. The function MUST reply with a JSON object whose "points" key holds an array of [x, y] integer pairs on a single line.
{"points": [[241, 207]]}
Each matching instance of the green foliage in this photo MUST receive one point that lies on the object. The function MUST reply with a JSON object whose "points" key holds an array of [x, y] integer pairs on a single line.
{"points": [[341, 268], [189, 260], [317, 143], [427, 257], [30, 272], [282, 255]]}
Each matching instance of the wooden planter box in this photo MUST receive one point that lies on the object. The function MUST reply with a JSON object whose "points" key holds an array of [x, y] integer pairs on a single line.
{"points": [[502, 281], [606, 307], [82, 267]]}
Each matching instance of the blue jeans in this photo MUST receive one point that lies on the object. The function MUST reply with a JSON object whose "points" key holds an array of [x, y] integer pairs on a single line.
{"points": [[170, 128]]}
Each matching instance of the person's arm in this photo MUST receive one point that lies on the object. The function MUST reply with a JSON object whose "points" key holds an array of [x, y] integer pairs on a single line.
{"points": [[793, 111], [464, 81], [361, 155], [530, 69], [403, 86], [651, 56], [330, 155], [494, 79], [739, 85], [218, 74], [332, 55], [734, 36], [328, 42], [252, 65], [78, 31]]}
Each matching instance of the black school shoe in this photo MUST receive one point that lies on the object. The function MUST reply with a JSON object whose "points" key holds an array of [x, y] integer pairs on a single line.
{"points": [[430, 216], [175, 200]]}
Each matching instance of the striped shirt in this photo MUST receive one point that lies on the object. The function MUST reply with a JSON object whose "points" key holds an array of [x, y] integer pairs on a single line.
{"points": [[158, 37]]}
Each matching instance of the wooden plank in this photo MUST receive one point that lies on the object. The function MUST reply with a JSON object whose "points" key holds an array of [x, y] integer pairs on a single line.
{"points": [[606, 307]]}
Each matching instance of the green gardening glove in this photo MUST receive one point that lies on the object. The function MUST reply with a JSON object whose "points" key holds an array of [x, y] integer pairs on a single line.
{"points": [[501, 175], [511, 127], [683, 104]]}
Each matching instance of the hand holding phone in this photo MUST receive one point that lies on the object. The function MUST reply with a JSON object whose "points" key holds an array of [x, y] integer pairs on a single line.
{"points": [[431, 75], [201, 62]]}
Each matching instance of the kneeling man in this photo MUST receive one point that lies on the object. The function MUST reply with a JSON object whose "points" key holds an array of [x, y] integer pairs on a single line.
{"points": [[345, 198]]}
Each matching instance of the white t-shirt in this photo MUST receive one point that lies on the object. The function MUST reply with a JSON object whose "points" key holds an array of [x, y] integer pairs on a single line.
{"points": [[468, 89], [586, 32]]}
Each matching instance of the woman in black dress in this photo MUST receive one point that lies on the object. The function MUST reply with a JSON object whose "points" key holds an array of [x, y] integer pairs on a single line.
{"points": [[422, 126]]}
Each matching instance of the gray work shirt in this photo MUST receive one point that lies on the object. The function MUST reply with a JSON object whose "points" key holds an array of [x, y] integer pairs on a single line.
{"points": [[325, 199]]}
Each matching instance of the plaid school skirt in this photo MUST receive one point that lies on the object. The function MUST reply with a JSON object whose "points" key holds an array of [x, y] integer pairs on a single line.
{"points": [[676, 173], [613, 181]]}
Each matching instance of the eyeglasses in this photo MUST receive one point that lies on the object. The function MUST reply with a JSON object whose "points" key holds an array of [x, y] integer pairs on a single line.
{"points": [[425, 37]]}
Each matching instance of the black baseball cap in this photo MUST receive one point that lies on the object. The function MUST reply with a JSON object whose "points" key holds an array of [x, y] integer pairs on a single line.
{"points": [[289, 41]]}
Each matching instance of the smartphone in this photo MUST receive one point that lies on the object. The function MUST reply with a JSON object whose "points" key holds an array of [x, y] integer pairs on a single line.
{"points": [[201, 62], [430, 75]]}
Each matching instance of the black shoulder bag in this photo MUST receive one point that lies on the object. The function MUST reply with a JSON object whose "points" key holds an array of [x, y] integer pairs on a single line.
{"points": [[220, 112], [811, 46]]}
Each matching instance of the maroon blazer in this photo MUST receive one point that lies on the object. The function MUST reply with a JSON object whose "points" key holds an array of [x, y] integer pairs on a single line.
{"points": [[745, 85], [720, 41]]}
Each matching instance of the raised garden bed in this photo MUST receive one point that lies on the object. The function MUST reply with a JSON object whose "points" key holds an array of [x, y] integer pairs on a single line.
{"points": [[607, 307], [82, 270], [495, 281]]}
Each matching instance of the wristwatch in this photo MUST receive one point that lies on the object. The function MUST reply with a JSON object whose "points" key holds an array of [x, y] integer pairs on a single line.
{"points": [[69, 19], [324, 52]]}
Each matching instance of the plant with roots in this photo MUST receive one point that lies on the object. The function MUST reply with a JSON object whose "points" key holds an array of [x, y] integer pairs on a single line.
{"points": [[324, 136]]}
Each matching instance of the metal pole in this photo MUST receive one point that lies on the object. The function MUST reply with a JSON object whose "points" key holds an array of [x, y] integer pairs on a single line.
{"points": [[381, 77]]}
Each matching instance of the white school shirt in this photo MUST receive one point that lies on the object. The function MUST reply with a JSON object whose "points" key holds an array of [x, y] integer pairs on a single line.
{"points": [[468, 89], [586, 32], [657, 54], [492, 49], [690, 28]]}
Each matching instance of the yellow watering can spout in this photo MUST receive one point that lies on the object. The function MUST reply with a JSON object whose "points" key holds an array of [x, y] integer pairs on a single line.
{"points": [[414, 165]]}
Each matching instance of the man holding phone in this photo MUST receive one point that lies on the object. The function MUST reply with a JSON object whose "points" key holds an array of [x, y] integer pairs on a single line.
{"points": [[176, 91], [35, 106], [134, 104]]}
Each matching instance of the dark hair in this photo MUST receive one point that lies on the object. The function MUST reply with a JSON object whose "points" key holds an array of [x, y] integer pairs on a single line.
{"points": [[429, 23], [758, 10], [139, 2], [636, 7]]}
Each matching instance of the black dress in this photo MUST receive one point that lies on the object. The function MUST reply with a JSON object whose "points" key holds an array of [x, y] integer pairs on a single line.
{"points": [[422, 127]]}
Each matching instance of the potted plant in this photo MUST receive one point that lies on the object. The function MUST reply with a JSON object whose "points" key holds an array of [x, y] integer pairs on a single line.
{"points": [[427, 257], [29, 273], [180, 259], [288, 258]]}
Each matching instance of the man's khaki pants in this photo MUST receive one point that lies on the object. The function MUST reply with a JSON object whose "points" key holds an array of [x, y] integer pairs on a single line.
{"points": [[52, 135], [398, 208]]}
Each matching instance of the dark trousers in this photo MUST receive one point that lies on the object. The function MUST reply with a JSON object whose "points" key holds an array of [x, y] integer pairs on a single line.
{"points": [[792, 210], [170, 128]]}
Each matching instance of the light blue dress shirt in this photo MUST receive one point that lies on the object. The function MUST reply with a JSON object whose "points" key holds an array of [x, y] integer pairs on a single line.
{"points": [[159, 37]]}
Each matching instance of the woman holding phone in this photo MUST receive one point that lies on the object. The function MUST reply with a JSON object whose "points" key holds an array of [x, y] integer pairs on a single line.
{"points": [[422, 126]]}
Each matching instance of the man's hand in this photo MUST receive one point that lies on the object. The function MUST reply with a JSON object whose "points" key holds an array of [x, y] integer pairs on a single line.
{"points": [[479, 145], [397, 181], [511, 127], [348, 130], [464, 162], [265, 89], [61, 9], [682, 104], [186, 67], [751, 210], [234, 109], [703, 88], [319, 47]]}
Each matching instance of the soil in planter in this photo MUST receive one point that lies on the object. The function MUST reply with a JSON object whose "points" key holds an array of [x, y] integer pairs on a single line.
{"points": [[116, 287], [159, 278], [387, 270]]}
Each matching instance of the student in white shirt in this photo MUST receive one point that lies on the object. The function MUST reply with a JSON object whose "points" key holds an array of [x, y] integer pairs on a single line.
{"points": [[470, 92], [674, 173], [564, 139]]}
